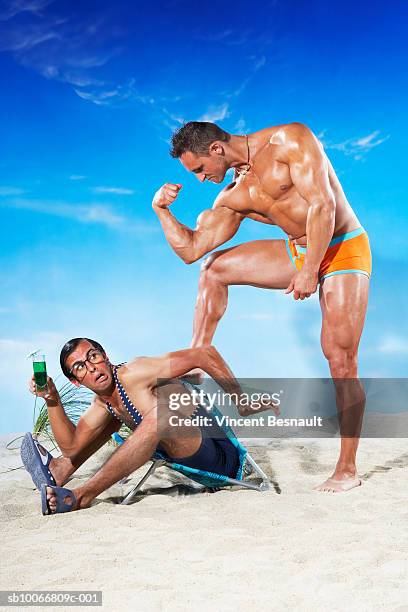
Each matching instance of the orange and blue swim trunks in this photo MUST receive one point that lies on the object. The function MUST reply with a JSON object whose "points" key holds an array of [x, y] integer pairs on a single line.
{"points": [[348, 253]]}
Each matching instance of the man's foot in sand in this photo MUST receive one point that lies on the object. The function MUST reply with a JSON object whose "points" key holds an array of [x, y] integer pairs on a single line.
{"points": [[81, 500], [52, 500], [340, 482]]}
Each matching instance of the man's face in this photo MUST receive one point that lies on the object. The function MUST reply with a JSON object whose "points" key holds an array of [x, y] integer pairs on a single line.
{"points": [[95, 376], [212, 167]]}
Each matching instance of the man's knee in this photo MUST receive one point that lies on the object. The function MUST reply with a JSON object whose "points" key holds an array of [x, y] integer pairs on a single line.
{"points": [[211, 269], [342, 362]]}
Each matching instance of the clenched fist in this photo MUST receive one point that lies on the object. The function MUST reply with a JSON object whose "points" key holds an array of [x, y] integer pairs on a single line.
{"points": [[166, 195]]}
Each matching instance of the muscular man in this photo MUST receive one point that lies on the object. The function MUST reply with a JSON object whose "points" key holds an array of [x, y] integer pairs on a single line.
{"points": [[118, 390], [281, 177]]}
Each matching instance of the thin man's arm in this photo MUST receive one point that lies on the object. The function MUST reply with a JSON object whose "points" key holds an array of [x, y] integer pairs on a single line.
{"points": [[93, 423], [70, 438], [214, 227], [310, 174]]}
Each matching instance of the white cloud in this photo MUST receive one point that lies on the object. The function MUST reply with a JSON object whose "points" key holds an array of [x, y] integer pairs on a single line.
{"points": [[100, 98], [241, 87], [394, 344], [93, 212], [259, 62], [85, 213], [216, 37], [21, 42], [50, 72], [227, 37], [67, 51], [58, 48], [215, 113], [115, 190], [116, 94], [368, 142], [14, 7], [177, 119], [77, 177], [240, 125], [98, 213], [11, 191], [357, 147], [78, 80], [94, 61]]}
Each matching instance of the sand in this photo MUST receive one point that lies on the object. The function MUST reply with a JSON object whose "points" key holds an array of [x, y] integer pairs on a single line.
{"points": [[178, 548]]}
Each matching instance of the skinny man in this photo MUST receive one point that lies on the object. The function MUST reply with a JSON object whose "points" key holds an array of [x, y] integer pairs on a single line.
{"points": [[123, 394]]}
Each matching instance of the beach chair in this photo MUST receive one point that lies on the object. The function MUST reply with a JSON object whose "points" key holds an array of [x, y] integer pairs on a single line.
{"points": [[210, 480]]}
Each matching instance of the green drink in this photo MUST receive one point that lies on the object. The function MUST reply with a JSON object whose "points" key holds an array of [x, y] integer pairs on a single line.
{"points": [[40, 371]]}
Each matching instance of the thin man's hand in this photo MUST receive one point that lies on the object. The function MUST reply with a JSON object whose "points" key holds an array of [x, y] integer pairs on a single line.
{"points": [[49, 392]]}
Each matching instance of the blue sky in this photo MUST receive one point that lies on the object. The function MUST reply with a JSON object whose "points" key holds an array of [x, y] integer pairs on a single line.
{"points": [[91, 93]]}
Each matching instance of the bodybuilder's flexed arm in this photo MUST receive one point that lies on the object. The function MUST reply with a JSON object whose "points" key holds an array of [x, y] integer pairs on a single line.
{"points": [[214, 226]]}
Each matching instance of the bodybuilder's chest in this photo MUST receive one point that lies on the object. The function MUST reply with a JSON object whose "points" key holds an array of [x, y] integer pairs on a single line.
{"points": [[274, 179], [262, 189]]}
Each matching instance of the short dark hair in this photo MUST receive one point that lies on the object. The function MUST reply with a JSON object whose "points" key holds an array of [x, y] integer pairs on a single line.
{"points": [[196, 136], [70, 346]]}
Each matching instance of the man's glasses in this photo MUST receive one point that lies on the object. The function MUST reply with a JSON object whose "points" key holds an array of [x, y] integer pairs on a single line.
{"points": [[79, 369]]}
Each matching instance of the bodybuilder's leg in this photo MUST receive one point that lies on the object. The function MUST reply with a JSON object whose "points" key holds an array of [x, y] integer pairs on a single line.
{"points": [[343, 300], [261, 263]]}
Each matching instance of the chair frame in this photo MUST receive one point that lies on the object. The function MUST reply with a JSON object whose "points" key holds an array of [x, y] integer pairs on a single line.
{"points": [[157, 462]]}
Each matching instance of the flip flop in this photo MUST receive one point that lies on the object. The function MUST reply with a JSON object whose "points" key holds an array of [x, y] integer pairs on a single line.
{"points": [[61, 493], [35, 462]]}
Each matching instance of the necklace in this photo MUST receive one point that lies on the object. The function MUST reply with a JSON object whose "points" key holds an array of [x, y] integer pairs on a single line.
{"points": [[246, 168]]}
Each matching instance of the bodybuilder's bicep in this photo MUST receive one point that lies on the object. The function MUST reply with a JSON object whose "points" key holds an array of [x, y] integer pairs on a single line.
{"points": [[214, 227]]}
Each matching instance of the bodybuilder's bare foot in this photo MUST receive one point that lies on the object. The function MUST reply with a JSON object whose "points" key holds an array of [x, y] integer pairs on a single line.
{"points": [[339, 483], [333, 485]]}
